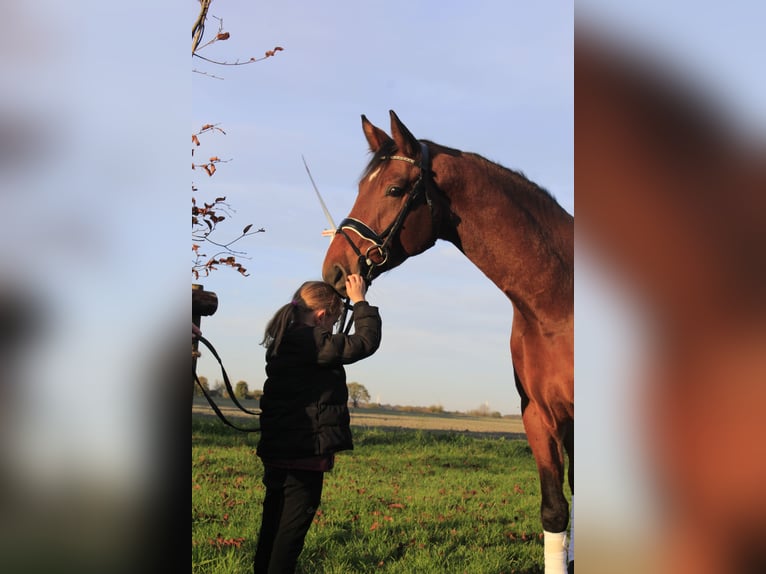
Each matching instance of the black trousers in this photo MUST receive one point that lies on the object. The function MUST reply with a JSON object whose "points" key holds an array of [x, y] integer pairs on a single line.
{"points": [[292, 498]]}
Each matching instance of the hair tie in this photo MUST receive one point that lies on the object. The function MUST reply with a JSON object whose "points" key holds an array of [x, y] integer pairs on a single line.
{"points": [[294, 303]]}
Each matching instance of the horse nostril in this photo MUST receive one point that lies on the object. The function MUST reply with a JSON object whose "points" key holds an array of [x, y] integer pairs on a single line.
{"points": [[339, 279]]}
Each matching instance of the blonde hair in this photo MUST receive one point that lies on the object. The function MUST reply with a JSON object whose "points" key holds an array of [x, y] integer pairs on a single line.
{"points": [[311, 296]]}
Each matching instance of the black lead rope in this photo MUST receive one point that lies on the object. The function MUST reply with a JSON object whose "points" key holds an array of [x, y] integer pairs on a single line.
{"points": [[344, 327], [228, 388]]}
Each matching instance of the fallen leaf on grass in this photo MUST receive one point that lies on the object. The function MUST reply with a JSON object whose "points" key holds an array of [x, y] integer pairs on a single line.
{"points": [[221, 542]]}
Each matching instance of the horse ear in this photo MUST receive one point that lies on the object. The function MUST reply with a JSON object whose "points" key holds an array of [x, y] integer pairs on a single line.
{"points": [[405, 141], [376, 137]]}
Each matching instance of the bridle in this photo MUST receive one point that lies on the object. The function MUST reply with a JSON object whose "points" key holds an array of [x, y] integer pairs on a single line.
{"points": [[381, 242]]}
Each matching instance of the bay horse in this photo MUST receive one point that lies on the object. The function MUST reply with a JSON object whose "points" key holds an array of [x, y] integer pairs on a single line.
{"points": [[414, 192]]}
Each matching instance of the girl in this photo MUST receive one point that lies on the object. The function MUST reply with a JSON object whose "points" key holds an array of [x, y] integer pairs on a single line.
{"points": [[304, 410]]}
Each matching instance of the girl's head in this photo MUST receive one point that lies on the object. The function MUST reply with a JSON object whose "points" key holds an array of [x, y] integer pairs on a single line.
{"points": [[318, 302], [314, 303]]}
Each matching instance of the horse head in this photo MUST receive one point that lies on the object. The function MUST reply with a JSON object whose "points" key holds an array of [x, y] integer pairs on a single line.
{"points": [[394, 216]]}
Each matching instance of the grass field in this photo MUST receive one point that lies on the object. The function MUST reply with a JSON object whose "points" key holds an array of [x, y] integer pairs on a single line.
{"points": [[406, 500]]}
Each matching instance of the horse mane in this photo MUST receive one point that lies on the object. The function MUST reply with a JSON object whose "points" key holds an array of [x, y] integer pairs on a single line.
{"points": [[536, 204], [523, 188], [539, 195], [520, 180]]}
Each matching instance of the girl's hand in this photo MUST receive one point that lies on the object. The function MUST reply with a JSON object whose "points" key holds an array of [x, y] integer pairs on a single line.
{"points": [[355, 288]]}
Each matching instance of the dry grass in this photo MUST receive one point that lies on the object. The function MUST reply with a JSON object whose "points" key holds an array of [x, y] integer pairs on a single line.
{"points": [[442, 421]]}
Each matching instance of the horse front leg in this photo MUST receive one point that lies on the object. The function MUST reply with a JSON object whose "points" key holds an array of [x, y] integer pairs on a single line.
{"points": [[554, 509], [569, 447]]}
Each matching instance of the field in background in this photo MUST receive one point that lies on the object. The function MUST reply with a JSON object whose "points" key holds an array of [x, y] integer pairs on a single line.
{"points": [[509, 426]]}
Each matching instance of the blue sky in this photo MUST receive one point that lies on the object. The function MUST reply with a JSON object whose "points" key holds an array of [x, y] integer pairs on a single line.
{"points": [[487, 77]]}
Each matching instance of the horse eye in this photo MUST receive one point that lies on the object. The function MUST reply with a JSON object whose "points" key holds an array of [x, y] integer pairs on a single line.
{"points": [[394, 191]]}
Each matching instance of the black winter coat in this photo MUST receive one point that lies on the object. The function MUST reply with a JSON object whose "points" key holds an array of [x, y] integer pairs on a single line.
{"points": [[304, 407]]}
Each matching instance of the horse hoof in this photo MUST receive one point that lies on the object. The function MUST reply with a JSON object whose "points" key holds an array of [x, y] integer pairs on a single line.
{"points": [[570, 568]]}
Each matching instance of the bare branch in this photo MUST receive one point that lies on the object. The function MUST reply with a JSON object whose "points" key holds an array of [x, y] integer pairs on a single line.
{"points": [[198, 29], [267, 54], [207, 216], [208, 128], [221, 35], [213, 76], [205, 219], [209, 167], [227, 246]]}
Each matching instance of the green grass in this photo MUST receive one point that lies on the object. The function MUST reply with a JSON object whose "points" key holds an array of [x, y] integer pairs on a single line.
{"points": [[404, 501]]}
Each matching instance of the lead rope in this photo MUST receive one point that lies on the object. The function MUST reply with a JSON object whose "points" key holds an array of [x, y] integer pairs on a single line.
{"points": [[344, 327], [226, 381]]}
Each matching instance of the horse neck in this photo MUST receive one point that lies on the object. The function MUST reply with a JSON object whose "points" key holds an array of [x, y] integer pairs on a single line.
{"points": [[511, 229]]}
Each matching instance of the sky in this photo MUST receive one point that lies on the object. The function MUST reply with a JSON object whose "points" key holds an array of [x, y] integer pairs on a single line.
{"points": [[488, 77]]}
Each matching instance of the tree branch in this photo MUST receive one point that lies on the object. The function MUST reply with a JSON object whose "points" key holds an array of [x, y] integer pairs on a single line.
{"points": [[198, 29], [252, 60]]}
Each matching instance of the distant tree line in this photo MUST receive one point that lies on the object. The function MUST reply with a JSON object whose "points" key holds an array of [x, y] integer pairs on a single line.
{"points": [[358, 396], [218, 389]]}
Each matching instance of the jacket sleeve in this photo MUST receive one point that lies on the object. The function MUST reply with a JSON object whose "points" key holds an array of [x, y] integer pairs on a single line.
{"points": [[346, 349]]}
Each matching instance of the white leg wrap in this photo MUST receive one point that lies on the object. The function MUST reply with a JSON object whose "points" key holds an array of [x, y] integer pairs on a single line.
{"points": [[570, 556], [555, 552]]}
